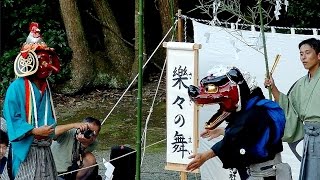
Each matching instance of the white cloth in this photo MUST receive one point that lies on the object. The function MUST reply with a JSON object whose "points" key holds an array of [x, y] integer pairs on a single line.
{"points": [[3, 124], [242, 49]]}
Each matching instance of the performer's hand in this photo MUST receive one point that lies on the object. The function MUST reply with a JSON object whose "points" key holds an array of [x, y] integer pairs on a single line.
{"points": [[269, 82], [199, 159], [43, 130], [210, 134]]}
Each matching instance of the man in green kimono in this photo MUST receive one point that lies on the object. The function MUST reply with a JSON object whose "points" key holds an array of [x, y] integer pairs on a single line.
{"points": [[301, 107]]}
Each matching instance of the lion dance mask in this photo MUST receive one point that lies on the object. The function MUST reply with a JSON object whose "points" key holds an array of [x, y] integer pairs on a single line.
{"points": [[227, 88]]}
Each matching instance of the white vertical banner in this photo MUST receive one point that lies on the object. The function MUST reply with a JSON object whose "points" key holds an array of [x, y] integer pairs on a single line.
{"points": [[181, 112]]}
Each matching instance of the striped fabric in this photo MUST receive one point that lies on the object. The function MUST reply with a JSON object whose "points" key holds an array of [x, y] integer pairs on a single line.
{"points": [[311, 152], [273, 169], [39, 164]]}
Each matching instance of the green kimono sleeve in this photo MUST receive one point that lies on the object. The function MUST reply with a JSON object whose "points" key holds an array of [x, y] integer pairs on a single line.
{"points": [[294, 127]]}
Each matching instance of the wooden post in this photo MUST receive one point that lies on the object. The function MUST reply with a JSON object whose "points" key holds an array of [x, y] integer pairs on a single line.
{"points": [[183, 176], [179, 26]]}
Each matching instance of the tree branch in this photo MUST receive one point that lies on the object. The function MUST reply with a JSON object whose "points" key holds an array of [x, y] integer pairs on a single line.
{"points": [[107, 26]]}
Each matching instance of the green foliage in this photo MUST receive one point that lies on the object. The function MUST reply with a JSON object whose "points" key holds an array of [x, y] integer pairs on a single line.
{"points": [[57, 38], [15, 20], [304, 13], [6, 70], [16, 16]]}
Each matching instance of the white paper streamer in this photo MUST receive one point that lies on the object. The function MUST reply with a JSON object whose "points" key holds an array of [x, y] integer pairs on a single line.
{"points": [[277, 9]]}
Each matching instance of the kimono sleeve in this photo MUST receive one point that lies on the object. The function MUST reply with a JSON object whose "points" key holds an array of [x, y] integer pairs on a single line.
{"points": [[294, 127], [14, 111]]}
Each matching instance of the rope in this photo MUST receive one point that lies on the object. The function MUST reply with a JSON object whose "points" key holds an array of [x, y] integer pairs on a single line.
{"points": [[138, 74], [110, 159], [151, 109], [110, 28], [144, 136], [231, 34], [249, 25], [185, 30], [315, 30]]}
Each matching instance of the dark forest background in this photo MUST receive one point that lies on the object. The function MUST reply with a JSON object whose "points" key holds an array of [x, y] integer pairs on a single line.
{"points": [[97, 39]]}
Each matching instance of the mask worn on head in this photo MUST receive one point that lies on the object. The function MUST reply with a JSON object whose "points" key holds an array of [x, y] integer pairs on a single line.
{"points": [[48, 63], [223, 90], [35, 57]]}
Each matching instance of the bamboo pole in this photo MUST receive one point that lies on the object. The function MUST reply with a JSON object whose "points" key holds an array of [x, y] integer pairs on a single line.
{"points": [[264, 45], [139, 99], [172, 9]]}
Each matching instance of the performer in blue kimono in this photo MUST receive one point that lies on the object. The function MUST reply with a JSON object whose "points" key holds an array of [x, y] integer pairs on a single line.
{"points": [[252, 138], [301, 107], [29, 112]]}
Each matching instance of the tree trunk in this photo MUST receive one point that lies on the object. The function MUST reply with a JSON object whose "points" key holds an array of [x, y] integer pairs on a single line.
{"points": [[81, 70], [165, 11], [166, 20], [118, 52]]}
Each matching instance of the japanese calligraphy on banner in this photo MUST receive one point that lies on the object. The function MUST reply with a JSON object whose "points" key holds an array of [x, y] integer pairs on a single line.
{"points": [[182, 126]]}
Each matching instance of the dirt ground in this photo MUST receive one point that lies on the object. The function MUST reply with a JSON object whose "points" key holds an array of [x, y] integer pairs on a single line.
{"points": [[107, 98], [120, 127], [101, 95], [119, 121]]}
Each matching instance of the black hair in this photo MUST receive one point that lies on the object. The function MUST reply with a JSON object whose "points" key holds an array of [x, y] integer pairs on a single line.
{"points": [[236, 76], [4, 138], [313, 43], [93, 120]]}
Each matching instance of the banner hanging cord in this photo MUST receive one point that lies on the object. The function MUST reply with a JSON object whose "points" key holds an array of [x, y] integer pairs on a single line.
{"points": [[151, 109], [185, 30], [121, 99], [138, 74], [111, 159], [144, 136], [249, 25], [230, 33]]}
